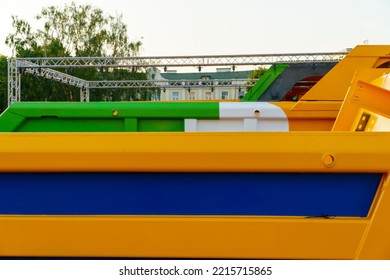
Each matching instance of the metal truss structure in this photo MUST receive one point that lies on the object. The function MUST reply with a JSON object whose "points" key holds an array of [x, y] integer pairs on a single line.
{"points": [[17, 67], [35, 70], [13, 82], [171, 83], [181, 61], [45, 67]]}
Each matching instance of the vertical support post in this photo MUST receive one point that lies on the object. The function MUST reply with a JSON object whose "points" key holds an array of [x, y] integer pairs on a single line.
{"points": [[13, 81], [84, 93], [168, 94], [215, 94]]}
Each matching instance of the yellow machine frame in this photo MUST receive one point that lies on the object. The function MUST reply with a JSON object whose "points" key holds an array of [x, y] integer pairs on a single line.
{"points": [[265, 237]]}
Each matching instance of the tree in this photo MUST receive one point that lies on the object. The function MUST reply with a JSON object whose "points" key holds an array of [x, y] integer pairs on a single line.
{"points": [[77, 30], [3, 83], [255, 75], [73, 30]]}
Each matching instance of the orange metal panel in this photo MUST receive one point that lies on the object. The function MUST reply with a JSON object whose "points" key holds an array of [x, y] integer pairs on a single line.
{"points": [[376, 242], [199, 151], [193, 237], [227, 236], [367, 92], [310, 116], [334, 85], [181, 237]]}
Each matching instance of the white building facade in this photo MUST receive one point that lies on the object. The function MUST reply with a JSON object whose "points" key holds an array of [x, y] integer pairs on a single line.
{"points": [[214, 86]]}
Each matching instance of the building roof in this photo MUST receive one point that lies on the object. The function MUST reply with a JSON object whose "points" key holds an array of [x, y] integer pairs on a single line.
{"points": [[209, 75]]}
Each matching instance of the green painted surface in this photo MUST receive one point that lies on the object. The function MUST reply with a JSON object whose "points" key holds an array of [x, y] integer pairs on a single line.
{"points": [[104, 116], [11, 121], [160, 125], [53, 124], [264, 83]]}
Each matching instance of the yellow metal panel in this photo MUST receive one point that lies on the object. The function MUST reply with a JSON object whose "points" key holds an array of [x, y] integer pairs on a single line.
{"points": [[227, 236], [208, 237], [383, 62], [193, 237], [334, 85], [368, 93], [181, 237], [304, 107], [310, 116], [369, 121], [376, 241], [207, 151]]}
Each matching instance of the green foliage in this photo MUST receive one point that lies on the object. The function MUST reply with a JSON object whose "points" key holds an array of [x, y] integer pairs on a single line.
{"points": [[3, 83], [256, 74], [74, 30]]}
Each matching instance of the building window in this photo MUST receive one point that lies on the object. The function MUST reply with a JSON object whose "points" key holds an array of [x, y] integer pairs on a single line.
{"points": [[208, 95], [191, 95], [225, 95], [175, 96]]}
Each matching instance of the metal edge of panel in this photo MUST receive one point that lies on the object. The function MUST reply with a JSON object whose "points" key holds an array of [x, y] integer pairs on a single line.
{"points": [[195, 152]]}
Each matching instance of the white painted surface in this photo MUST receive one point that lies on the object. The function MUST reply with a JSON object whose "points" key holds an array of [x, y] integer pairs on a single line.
{"points": [[234, 116]]}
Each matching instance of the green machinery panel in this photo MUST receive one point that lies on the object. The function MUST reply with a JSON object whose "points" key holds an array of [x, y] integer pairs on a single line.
{"points": [[104, 116], [264, 82]]}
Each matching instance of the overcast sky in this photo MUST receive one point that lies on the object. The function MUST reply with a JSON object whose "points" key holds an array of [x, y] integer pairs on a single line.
{"points": [[201, 27]]}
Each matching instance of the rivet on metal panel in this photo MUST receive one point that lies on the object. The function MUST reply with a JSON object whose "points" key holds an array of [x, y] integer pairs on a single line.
{"points": [[115, 112], [328, 160], [355, 98], [257, 113]]}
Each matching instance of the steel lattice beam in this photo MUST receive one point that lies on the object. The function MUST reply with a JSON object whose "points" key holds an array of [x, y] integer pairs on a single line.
{"points": [[50, 74], [44, 67], [13, 81], [181, 61], [171, 83]]}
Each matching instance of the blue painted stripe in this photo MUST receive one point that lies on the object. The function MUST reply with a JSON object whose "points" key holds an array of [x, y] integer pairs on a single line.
{"points": [[302, 194]]}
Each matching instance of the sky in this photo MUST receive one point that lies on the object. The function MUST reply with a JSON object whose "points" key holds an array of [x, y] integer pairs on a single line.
{"points": [[211, 27]]}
